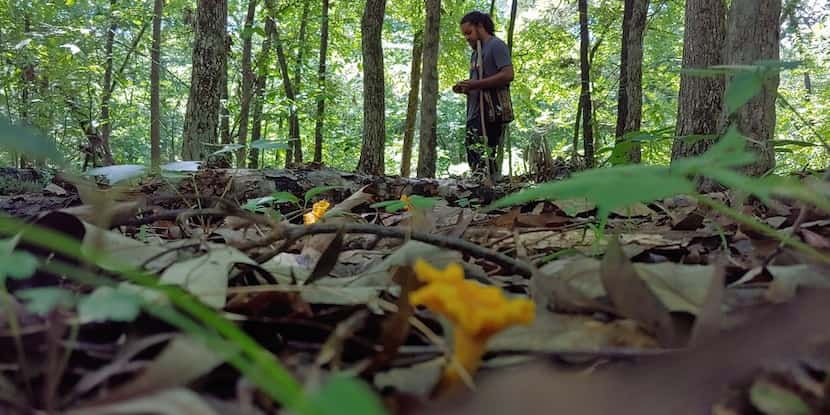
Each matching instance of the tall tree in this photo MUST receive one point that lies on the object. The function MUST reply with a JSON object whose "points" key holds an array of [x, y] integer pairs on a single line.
{"points": [[209, 53], [298, 77], [427, 153], [293, 119], [247, 83], [412, 102], [106, 95], [585, 91], [630, 96], [321, 84], [699, 103], [155, 82], [224, 96], [752, 35], [374, 107], [511, 26], [259, 90]]}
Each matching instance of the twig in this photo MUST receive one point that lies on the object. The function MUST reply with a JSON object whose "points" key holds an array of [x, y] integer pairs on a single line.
{"points": [[764, 229], [802, 215], [291, 233], [172, 215]]}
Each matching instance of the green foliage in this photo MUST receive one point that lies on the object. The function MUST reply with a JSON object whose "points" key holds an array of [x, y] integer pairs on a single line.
{"points": [[43, 300], [609, 188], [26, 141], [341, 394], [316, 191], [418, 202], [620, 186], [64, 48], [12, 186], [109, 304]]}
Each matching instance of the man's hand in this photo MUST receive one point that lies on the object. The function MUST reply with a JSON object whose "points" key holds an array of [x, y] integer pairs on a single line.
{"points": [[469, 84], [459, 88]]}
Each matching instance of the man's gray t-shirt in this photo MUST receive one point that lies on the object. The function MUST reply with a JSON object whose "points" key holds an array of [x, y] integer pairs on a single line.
{"points": [[495, 55]]}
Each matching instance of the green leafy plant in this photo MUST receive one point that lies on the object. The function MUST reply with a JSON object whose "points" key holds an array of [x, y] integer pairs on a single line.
{"points": [[184, 312], [419, 202]]}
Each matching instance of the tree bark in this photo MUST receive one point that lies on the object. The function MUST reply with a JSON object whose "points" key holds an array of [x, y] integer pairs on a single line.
{"points": [[321, 84], [209, 56], [585, 94], [427, 156], [508, 143], [224, 95], [298, 79], [155, 82], [259, 89], [293, 120], [700, 100], [630, 97], [247, 83], [752, 35], [412, 102], [374, 107], [106, 94]]}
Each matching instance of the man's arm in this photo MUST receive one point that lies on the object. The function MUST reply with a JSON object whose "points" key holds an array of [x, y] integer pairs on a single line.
{"points": [[501, 78]]}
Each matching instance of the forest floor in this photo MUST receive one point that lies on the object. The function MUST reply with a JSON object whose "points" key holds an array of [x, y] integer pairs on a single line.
{"points": [[672, 307]]}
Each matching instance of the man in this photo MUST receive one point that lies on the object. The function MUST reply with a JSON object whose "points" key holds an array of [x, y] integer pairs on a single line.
{"points": [[496, 72]]}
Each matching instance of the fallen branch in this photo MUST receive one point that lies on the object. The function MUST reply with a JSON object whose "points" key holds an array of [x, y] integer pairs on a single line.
{"points": [[290, 233]]}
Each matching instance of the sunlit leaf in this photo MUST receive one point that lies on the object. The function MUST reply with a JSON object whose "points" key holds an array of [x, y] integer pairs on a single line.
{"points": [[17, 265], [227, 149], [43, 300], [108, 304], [796, 143], [23, 43], [741, 89], [268, 145], [341, 395], [118, 173], [314, 191], [27, 141], [283, 197], [610, 188], [73, 48]]}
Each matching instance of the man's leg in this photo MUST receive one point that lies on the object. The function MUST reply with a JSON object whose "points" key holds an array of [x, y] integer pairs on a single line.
{"points": [[475, 145], [494, 137]]}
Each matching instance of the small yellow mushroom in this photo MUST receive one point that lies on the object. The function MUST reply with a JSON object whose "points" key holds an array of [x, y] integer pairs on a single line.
{"points": [[408, 205], [477, 312], [317, 211]]}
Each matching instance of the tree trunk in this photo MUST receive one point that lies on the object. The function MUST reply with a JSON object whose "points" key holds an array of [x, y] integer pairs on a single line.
{"points": [[247, 83], [585, 94], [27, 77], [209, 56], [259, 89], [752, 35], [700, 100], [224, 95], [427, 156], [155, 99], [298, 80], [293, 120], [321, 85], [374, 107], [412, 102], [508, 144], [106, 123], [630, 97]]}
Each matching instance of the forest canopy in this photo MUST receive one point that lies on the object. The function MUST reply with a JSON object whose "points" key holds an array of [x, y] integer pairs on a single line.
{"points": [[79, 71]]}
